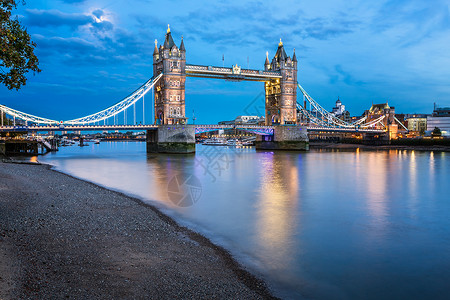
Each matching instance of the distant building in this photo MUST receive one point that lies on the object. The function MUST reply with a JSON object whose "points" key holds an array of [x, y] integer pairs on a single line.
{"points": [[378, 110], [440, 119], [441, 112], [385, 115], [416, 123], [246, 119], [241, 120], [226, 122], [346, 116], [339, 108], [340, 112]]}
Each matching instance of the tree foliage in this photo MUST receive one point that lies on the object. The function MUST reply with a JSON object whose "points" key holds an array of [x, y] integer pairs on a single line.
{"points": [[436, 132], [17, 56]]}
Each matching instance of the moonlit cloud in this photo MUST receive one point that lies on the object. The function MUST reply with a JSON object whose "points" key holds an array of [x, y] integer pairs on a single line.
{"points": [[54, 18]]}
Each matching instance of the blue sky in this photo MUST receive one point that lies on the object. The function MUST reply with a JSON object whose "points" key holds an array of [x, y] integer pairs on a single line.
{"points": [[94, 53]]}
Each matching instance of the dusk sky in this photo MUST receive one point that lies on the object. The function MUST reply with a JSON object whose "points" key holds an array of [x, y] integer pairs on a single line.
{"points": [[94, 53]]}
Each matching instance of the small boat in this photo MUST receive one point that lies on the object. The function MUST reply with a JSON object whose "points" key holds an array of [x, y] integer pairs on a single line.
{"points": [[247, 143], [66, 142], [233, 142], [215, 142]]}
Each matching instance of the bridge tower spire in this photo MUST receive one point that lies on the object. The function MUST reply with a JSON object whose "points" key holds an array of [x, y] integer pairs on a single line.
{"points": [[169, 93], [281, 94]]}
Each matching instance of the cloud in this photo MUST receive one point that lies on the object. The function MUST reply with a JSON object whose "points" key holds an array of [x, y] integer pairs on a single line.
{"points": [[98, 13], [77, 51], [117, 47], [340, 75], [51, 45], [93, 38], [54, 18], [412, 22], [323, 29], [229, 25], [102, 26]]}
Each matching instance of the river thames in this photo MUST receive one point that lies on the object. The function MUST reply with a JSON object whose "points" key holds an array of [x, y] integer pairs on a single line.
{"points": [[315, 225]]}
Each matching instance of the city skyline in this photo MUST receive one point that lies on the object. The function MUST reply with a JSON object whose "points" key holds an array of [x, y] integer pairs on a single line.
{"points": [[94, 53]]}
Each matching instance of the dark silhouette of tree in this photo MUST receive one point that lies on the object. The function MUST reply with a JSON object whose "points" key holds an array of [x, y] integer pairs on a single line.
{"points": [[436, 132], [16, 48]]}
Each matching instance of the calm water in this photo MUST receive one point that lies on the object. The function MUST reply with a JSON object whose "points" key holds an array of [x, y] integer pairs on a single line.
{"points": [[320, 225]]}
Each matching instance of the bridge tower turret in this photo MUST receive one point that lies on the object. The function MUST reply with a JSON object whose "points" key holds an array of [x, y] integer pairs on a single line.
{"points": [[281, 94], [170, 90]]}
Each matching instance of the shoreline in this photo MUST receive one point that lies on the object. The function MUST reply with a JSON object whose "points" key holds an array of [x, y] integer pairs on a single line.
{"points": [[236, 281]]}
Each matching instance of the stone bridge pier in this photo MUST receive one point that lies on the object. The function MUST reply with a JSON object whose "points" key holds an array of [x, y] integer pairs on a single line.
{"points": [[289, 137], [171, 139]]}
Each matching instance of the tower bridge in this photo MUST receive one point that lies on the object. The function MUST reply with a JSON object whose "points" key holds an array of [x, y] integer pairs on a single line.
{"points": [[287, 120], [279, 77]]}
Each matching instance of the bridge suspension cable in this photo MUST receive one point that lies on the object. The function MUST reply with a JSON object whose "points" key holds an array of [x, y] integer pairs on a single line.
{"points": [[398, 121], [25, 117], [374, 122], [119, 107], [327, 119], [111, 111]]}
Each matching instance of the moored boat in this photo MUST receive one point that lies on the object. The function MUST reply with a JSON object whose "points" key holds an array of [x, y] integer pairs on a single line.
{"points": [[215, 142]]}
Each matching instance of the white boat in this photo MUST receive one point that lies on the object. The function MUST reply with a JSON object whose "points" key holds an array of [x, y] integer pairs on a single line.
{"points": [[215, 142], [66, 142], [247, 143], [95, 141], [233, 142]]}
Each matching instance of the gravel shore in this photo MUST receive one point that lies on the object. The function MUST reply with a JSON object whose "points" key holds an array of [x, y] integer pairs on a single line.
{"points": [[61, 237]]}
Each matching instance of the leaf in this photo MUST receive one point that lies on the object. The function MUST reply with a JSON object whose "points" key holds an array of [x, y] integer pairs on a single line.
{"points": [[17, 49]]}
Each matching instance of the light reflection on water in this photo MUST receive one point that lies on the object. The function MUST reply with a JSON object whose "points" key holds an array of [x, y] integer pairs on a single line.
{"points": [[322, 224]]}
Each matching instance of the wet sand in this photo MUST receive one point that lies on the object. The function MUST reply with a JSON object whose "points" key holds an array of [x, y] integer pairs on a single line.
{"points": [[61, 237]]}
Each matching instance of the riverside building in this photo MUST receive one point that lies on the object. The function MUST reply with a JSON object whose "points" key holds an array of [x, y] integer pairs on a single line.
{"points": [[440, 119]]}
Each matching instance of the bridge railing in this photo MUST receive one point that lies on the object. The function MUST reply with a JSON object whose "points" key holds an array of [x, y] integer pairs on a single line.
{"points": [[274, 74], [196, 67], [222, 70]]}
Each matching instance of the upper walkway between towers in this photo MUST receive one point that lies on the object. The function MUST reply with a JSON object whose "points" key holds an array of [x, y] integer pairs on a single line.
{"points": [[234, 73]]}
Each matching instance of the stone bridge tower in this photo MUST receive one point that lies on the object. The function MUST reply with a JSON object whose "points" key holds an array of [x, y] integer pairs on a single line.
{"points": [[281, 94], [169, 91]]}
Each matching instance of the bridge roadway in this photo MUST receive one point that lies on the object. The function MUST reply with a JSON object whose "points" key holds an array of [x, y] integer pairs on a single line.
{"points": [[258, 129]]}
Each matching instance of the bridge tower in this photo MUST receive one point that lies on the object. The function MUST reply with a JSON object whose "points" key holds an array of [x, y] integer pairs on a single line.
{"points": [[281, 94], [169, 91]]}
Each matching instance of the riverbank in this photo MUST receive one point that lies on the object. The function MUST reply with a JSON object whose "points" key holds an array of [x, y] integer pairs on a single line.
{"points": [[61, 237], [343, 146]]}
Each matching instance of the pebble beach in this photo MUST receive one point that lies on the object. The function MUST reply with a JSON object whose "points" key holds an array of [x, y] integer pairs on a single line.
{"points": [[64, 238]]}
